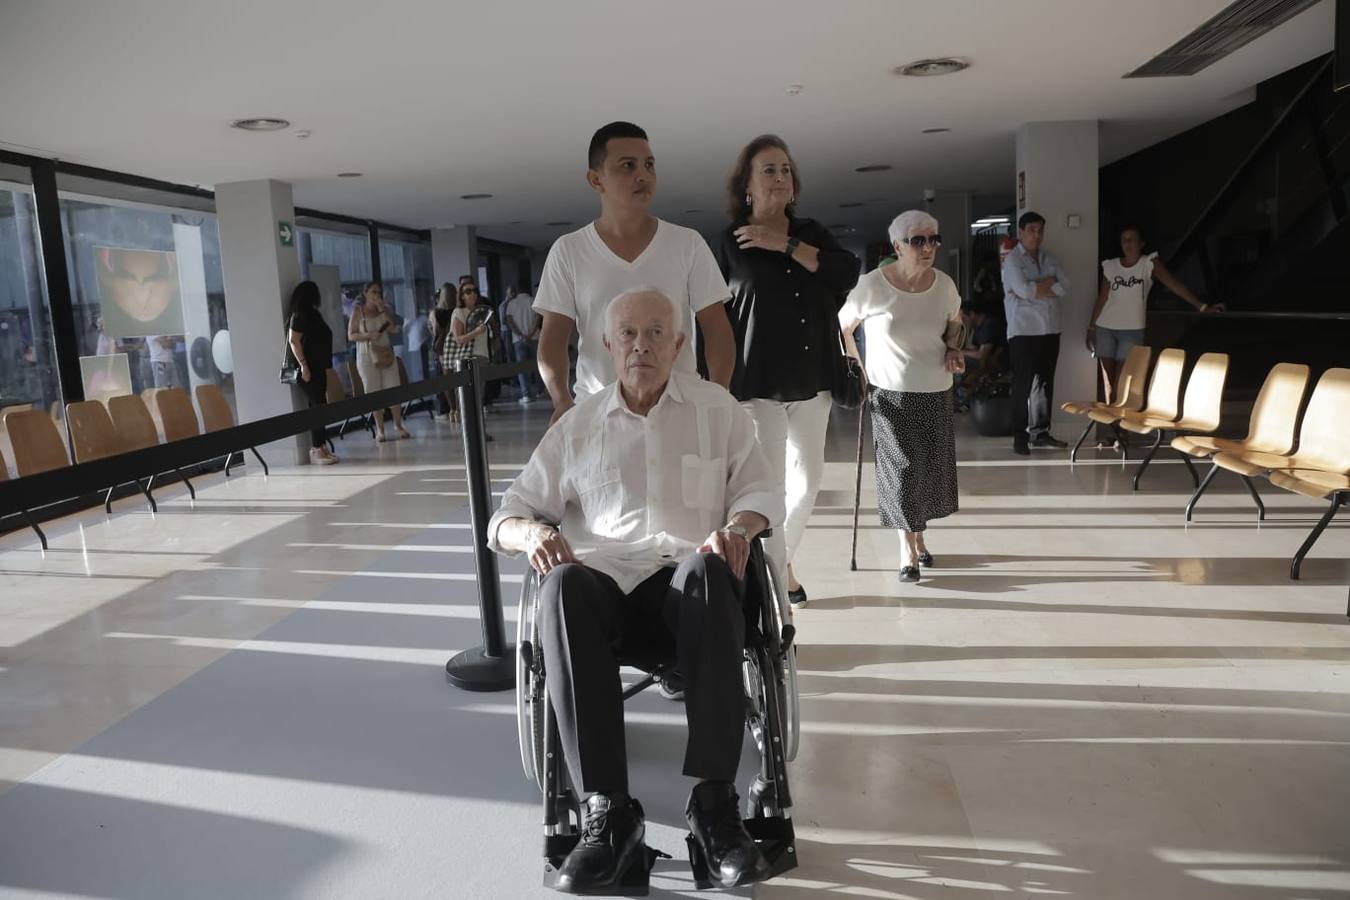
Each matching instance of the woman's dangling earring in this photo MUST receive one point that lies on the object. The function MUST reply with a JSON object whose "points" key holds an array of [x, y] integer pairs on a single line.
{"points": [[748, 202]]}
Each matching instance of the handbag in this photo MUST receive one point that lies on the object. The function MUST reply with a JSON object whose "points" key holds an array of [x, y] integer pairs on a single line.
{"points": [[290, 366], [849, 380], [454, 350]]}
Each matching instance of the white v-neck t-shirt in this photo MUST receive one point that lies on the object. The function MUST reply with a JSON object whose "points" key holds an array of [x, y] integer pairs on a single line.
{"points": [[582, 275]]}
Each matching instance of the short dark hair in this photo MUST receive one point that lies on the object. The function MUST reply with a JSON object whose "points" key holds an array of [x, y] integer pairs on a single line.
{"points": [[1130, 226], [599, 149], [468, 278], [1029, 218], [739, 181]]}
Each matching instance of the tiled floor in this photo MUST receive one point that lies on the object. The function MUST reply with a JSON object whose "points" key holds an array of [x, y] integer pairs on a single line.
{"points": [[1085, 698]]}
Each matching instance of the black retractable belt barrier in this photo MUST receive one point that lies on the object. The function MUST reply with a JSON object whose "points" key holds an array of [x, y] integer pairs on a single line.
{"points": [[490, 667]]}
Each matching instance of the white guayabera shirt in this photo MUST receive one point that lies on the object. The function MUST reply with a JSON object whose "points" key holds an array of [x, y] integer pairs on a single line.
{"points": [[632, 494]]}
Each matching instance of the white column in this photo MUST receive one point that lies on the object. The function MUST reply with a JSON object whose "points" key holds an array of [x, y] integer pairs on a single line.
{"points": [[259, 273], [1057, 166], [454, 252]]}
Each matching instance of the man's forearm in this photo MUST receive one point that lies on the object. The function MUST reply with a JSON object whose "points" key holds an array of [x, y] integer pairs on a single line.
{"points": [[513, 534], [553, 369], [719, 346]]}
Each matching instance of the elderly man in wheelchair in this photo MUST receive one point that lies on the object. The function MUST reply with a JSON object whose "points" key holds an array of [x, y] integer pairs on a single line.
{"points": [[659, 491]]}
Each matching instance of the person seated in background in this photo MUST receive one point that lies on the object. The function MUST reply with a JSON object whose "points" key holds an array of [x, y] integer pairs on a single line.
{"points": [[637, 508], [987, 353]]}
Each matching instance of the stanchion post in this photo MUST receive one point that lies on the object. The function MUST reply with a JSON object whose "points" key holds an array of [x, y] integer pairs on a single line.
{"points": [[490, 667]]}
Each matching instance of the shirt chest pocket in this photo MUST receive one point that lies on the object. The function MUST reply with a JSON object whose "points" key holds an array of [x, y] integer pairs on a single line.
{"points": [[703, 482], [600, 493]]}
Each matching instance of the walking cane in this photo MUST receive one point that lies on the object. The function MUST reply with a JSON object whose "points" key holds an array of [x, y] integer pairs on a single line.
{"points": [[857, 485]]}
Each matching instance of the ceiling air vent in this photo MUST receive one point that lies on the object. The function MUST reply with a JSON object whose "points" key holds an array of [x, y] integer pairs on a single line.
{"points": [[1233, 28]]}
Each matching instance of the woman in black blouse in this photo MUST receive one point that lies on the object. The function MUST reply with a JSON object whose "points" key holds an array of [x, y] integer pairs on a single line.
{"points": [[311, 341], [788, 278]]}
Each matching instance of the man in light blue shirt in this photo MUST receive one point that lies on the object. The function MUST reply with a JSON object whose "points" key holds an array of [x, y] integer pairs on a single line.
{"points": [[1034, 286]]}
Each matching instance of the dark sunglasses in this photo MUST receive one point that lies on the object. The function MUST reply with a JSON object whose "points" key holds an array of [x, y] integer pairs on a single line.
{"points": [[920, 240]]}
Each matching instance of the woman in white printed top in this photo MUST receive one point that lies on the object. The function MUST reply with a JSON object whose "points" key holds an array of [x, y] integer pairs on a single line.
{"points": [[1117, 322], [911, 315]]}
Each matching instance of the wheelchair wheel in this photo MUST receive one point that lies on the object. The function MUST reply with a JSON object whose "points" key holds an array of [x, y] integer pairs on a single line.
{"points": [[529, 685]]}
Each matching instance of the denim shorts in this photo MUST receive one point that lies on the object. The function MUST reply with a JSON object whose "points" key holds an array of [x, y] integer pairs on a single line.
{"points": [[1115, 343]]}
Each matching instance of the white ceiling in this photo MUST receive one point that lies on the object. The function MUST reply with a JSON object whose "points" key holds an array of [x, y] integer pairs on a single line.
{"points": [[432, 100]]}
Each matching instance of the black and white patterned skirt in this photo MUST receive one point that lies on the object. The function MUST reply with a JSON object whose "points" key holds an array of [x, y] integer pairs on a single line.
{"points": [[916, 457]]}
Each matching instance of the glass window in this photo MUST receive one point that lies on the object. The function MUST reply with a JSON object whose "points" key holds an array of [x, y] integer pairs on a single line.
{"points": [[148, 296], [336, 256], [28, 371], [407, 278]]}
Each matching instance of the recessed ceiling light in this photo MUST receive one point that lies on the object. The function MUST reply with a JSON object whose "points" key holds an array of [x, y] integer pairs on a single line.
{"points": [[879, 167], [924, 68], [935, 131], [558, 224], [475, 196], [840, 226], [793, 89], [850, 205], [349, 174], [515, 223], [261, 123], [691, 212]]}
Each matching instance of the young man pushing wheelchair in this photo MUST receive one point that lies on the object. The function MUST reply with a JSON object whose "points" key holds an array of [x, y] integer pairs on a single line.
{"points": [[658, 487]]}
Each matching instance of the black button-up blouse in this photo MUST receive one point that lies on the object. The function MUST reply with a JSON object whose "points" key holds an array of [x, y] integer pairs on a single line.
{"points": [[785, 317]]}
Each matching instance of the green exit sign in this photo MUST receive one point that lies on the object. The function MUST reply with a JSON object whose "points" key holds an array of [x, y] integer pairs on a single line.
{"points": [[286, 234]]}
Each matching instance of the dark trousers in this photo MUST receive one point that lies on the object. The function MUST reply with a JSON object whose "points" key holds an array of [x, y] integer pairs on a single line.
{"points": [[585, 621], [316, 392], [1033, 360]]}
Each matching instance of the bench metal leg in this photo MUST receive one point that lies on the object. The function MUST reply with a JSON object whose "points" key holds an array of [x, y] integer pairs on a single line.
{"points": [[261, 461], [229, 461], [1200, 489], [42, 538], [1316, 533], [1143, 464], [183, 475], [1073, 454], [1260, 507], [107, 500], [1195, 478]]}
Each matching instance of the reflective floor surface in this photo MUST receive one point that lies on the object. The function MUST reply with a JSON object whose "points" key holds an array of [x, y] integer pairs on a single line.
{"points": [[1084, 697]]}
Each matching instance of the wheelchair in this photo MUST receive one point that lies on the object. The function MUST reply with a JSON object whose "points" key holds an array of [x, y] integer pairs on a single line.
{"points": [[769, 675]]}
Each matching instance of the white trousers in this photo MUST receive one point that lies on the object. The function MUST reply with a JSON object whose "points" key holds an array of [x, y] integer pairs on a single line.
{"points": [[792, 437]]}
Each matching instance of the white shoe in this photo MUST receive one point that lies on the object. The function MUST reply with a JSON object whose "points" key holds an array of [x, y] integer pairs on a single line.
{"points": [[523, 401], [319, 457]]}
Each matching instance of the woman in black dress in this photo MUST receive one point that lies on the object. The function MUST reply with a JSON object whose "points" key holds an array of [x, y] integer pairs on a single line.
{"points": [[311, 341], [788, 277]]}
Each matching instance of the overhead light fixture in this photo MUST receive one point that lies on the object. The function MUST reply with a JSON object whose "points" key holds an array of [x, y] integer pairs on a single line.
{"points": [[852, 205], [475, 196], [349, 174], [515, 223], [692, 212], [793, 89], [261, 123], [935, 131], [926, 68], [879, 167], [558, 224]]}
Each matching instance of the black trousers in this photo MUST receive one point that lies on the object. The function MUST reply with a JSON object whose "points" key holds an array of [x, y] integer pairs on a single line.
{"points": [[696, 610], [316, 392], [1033, 358]]}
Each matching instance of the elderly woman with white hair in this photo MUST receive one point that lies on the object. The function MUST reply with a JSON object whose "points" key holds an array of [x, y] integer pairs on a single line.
{"points": [[911, 317]]}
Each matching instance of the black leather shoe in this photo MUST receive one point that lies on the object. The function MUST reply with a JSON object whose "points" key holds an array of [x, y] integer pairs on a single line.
{"points": [[909, 573], [671, 686], [1021, 448], [720, 841], [612, 843], [1046, 439], [797, 598], [926, 559]]}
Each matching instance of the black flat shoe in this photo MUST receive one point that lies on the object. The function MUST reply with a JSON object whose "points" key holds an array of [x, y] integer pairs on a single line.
{"points": [[797, 598], [926, 559], [720, 849], [1021, 448], [612, 843], [1048, 440], [909, 573]]}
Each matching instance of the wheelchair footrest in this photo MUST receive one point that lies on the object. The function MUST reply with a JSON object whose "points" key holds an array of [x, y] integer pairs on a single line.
{"points": [[776, 839], [635, 884]]}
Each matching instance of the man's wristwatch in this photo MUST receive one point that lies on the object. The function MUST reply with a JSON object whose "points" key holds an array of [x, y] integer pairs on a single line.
{"points": [[791, 248], [739, 530]]}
